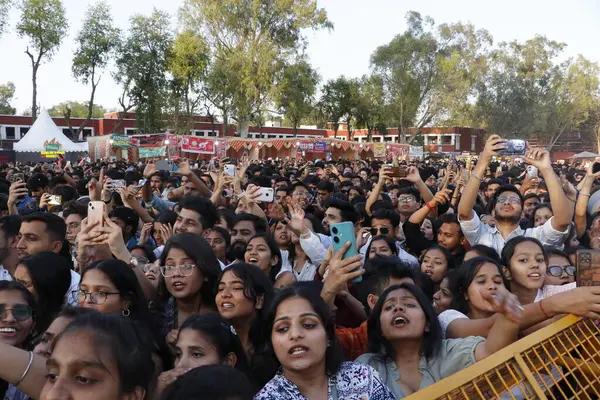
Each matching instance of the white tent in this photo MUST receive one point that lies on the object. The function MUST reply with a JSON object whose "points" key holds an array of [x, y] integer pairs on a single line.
{"points": [[45, 131], [585, 154]]}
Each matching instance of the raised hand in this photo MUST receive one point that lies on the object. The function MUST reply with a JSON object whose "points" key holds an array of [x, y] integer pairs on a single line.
{"points": [[441, 197], [17, 191], [504, 302], [149, 170], [183, 168], [413, 175], [494, 144], [539, 158], [341, 271], [296, 223]]}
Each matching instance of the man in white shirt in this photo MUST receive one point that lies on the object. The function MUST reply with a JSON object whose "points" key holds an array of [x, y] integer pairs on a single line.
{"points": [[46, 232], [9, 257], [507, 204]]}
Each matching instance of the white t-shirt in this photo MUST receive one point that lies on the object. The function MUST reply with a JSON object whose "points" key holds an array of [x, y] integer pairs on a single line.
{"points": [[448, 316]]}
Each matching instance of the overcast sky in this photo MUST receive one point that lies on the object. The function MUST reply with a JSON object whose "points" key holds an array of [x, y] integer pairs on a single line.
{"points": [[360, 26]]}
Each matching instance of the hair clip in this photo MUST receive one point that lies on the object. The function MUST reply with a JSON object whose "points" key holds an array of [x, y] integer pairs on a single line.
{"points": [[232, 330]]}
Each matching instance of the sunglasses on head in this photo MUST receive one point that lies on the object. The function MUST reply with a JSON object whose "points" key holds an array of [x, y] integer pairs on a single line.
{"points": [[20, 312], [384, 231], [557, 270]]}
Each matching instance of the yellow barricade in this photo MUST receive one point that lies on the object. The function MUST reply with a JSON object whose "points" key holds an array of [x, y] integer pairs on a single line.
{"points": [[560, 361]]}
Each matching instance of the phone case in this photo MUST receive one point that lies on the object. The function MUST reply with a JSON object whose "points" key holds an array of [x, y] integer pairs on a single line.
{"points": [[341, 233], [266, 195], [229, 169], [96, 212], [514, 147], [588, 267]]}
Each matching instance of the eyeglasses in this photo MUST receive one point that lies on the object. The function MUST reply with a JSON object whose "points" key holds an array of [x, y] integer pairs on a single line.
{"points": [[153, 269], [511, 199], [80, 296], [384, 231], [20, 312], [183, 270], [557, 270], [406, 199]]}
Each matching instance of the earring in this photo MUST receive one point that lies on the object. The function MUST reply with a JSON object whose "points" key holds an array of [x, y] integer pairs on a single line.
{"points": [[125, 312]]}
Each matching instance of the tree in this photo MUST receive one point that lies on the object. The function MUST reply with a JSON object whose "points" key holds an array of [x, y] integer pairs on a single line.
{"points": [[4, 9], [295, 92], [339, 101], [96, 41], [187, 64], [429, 73], [76, 109], [573, 97], [45, 24], [142, 60], [7, 92], [371, 108], [253, 39]]}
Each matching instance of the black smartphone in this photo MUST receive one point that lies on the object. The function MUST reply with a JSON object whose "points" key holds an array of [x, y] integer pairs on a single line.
{"points": [[514, 147], [596, 167]]}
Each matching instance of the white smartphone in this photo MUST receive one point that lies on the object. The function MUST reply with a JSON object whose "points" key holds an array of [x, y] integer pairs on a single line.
{"points": [[229, 169], [532, 171], [96, 213], [266, 195]]}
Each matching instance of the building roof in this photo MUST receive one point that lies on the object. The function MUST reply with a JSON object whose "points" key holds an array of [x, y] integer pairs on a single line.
{"points": [[42, 132]]}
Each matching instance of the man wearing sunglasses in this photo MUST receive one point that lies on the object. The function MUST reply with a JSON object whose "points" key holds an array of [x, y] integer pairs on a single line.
{"points": [[387, 222], [507, 203]]}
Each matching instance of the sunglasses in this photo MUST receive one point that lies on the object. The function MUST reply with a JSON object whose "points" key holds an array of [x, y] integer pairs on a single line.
{"points": [[20, 312], [384, 231], [557, 270]]}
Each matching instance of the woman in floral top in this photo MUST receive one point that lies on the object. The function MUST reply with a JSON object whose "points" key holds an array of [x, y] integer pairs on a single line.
{"points": [[303, 340]]}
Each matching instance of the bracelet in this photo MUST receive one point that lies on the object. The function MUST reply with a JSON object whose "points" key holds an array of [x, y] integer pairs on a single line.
{"points": [[431, 207], [542, 308], [26, 369], [584, 194]]}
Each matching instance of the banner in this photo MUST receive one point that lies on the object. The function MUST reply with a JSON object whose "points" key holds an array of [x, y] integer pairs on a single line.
{"points": [[121, 141], [147, 152], [193, 144], [52, 149], [151, 140], [221, 149], [416, 151], [379, 150], [173, 146]]}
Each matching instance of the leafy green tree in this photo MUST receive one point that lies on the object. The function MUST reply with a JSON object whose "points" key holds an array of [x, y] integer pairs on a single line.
{"points": [[96, 44], [371, 104], [253, 39], [7, 92], [76, 109], [44, 23], [295, 92], [429, 73], [187, 64], [4, 9], [142, 63]]}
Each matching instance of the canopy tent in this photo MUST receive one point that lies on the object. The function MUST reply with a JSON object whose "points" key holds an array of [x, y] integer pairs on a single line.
{"points": [[585, 154], [43, 132]]}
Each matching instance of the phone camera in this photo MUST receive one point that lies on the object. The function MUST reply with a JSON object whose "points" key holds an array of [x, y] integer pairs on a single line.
{"points": [[334, 230], [336, 239]]}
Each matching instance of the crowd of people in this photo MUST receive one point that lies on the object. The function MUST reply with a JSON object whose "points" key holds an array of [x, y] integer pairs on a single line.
{"points": [[189, 287]]}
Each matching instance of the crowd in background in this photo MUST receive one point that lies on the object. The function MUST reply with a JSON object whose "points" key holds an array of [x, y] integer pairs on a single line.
{"points": [[184, 285]]}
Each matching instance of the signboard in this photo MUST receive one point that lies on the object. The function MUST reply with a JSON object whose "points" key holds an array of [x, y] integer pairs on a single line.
{"points": [[221, 149], [379, 150], [193, 144], [313, 147], [147, 152], [416, 151], [173, 146], [121, 141], [52, 149]]}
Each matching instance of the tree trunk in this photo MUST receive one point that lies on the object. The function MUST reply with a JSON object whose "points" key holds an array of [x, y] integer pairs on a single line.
{"points": [[243, 127], [34, 110], [295, 128]]}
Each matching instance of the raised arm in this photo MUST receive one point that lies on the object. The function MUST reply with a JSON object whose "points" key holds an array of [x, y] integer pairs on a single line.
{"points": [[384, 173], [340, 272], [441, 197], [469, 195], [415, 178], [13, 364], [184, 169], [583, 200], [540, 158]]}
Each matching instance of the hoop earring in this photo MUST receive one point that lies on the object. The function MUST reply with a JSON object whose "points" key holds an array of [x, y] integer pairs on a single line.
{"points": [[125, 312]]}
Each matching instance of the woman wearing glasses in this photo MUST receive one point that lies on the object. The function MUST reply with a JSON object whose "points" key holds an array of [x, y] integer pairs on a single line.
{"points": [[560, 270], [17, 321], [190, 270], [111, 287]]}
